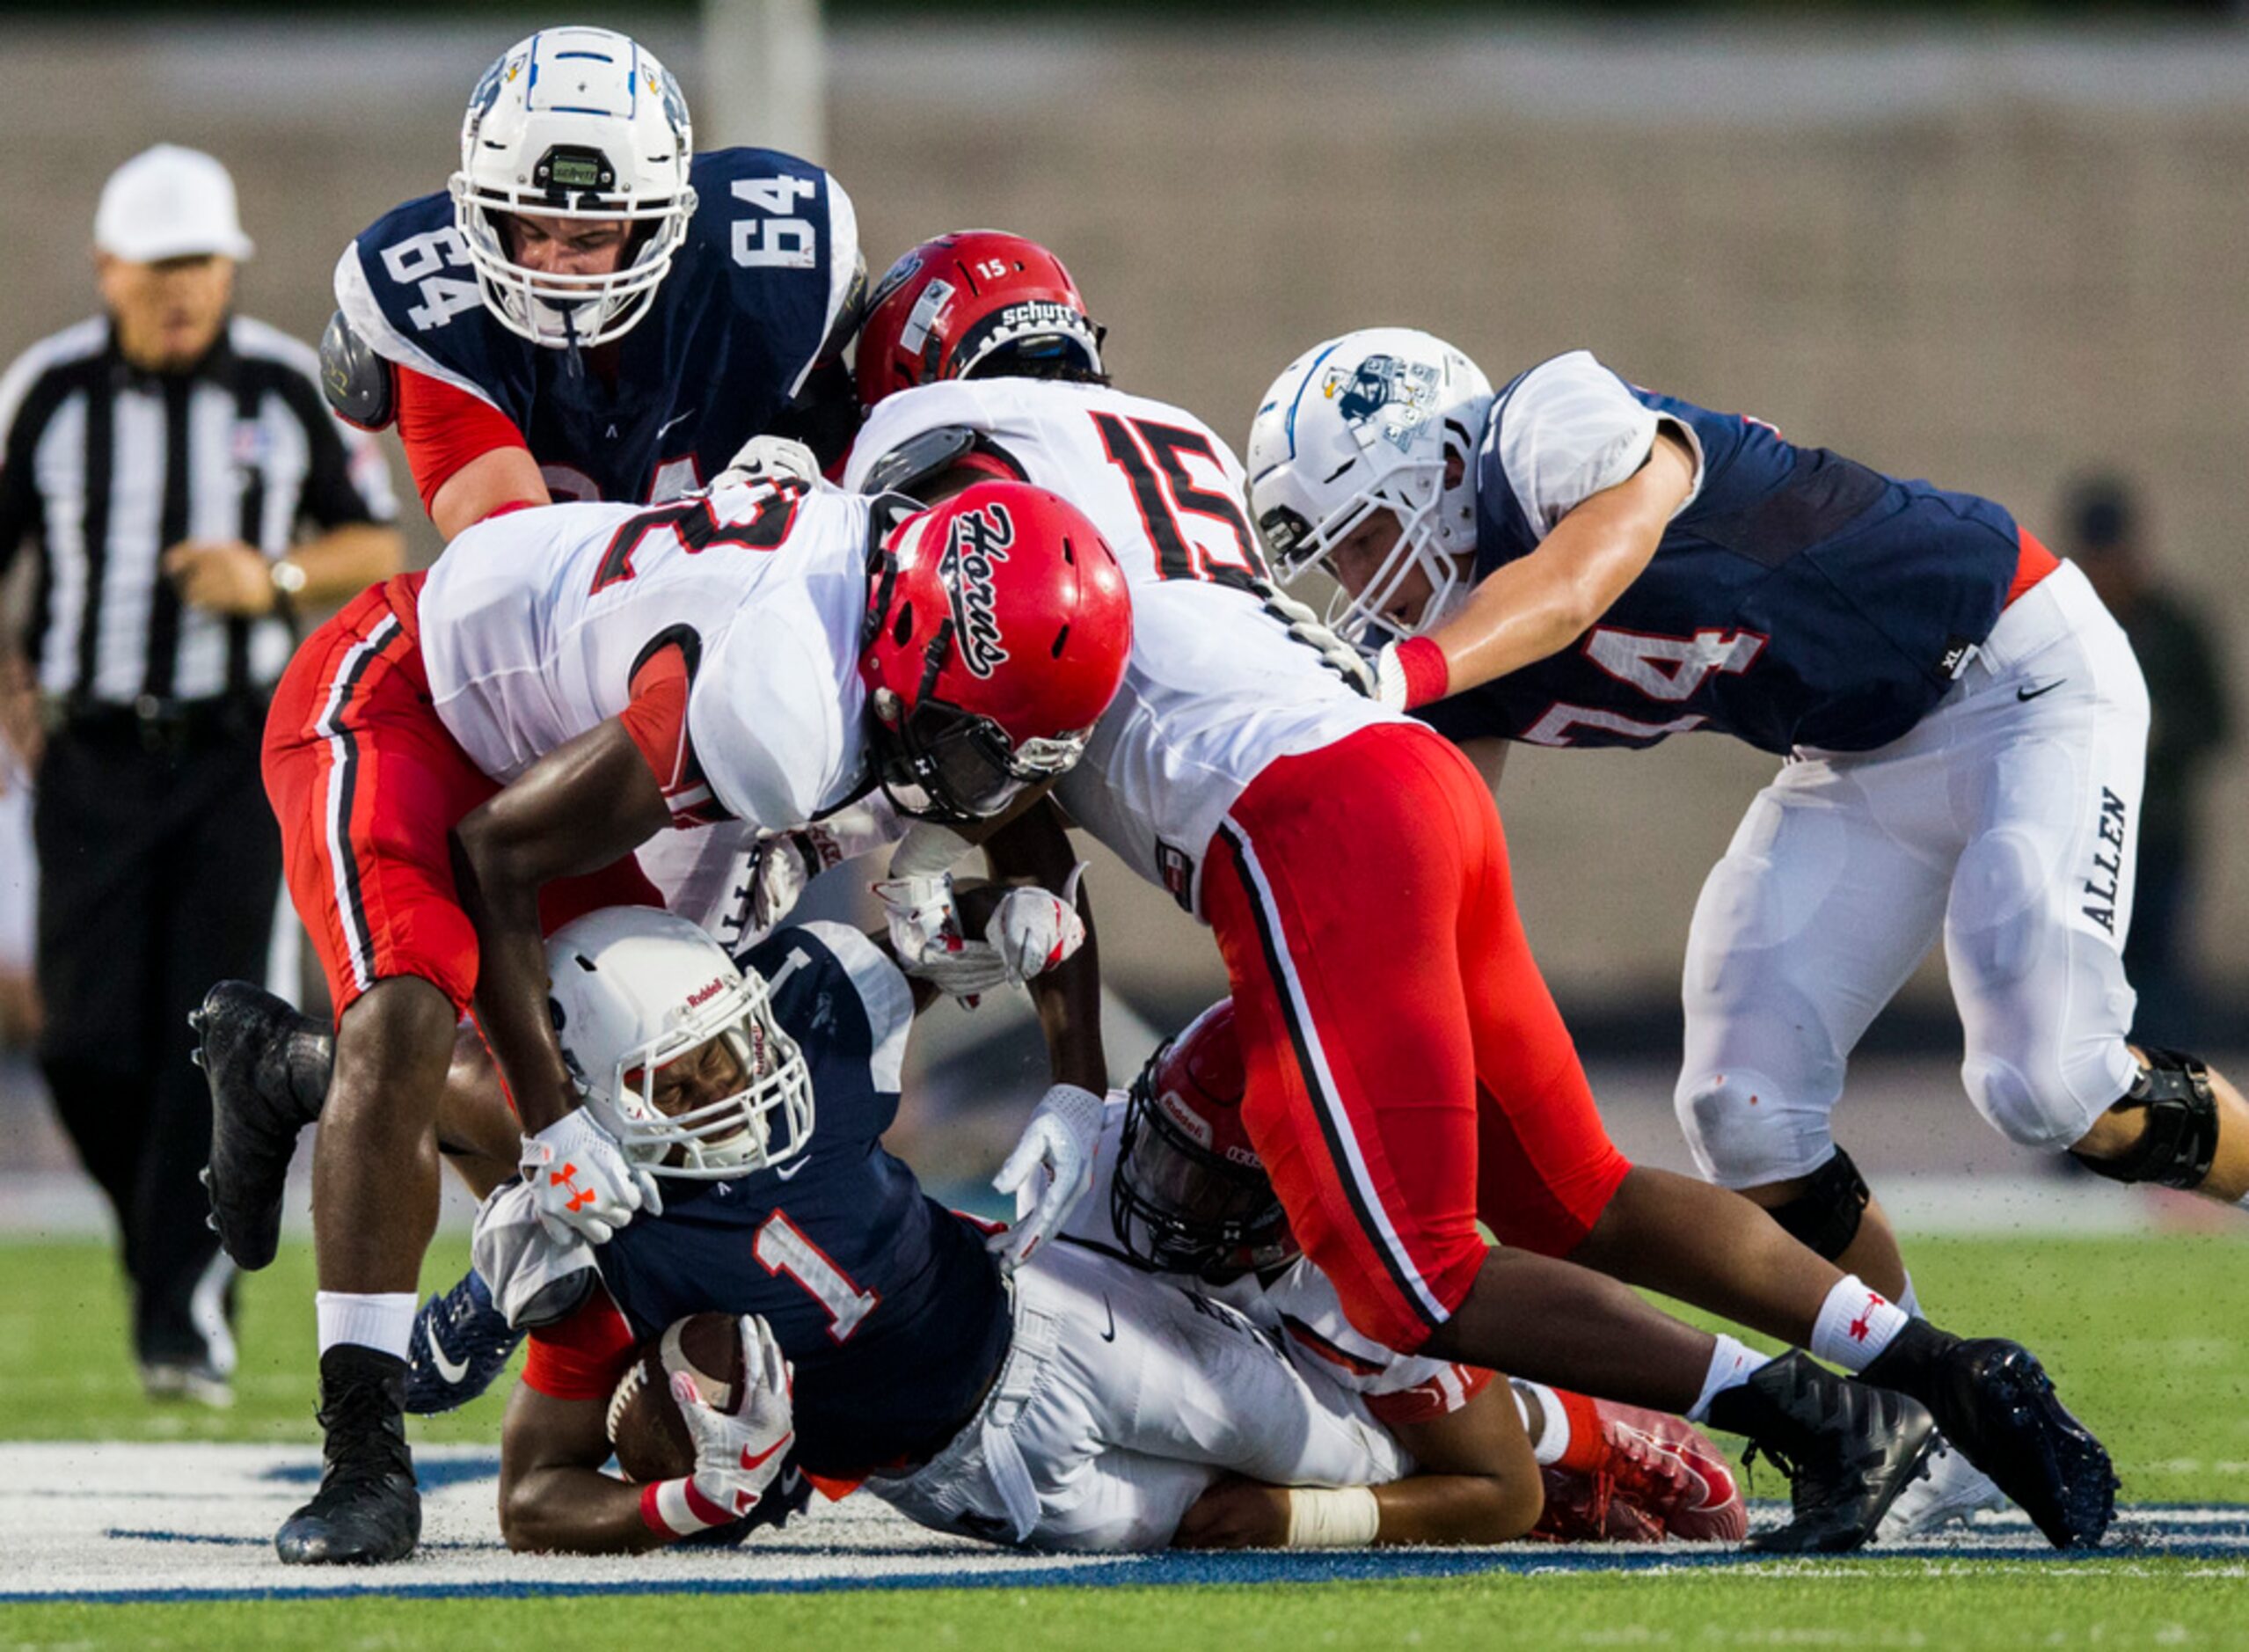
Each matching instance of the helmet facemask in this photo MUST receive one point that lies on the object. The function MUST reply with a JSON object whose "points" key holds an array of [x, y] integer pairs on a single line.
{"points": [[1179, 1206], [940, 761], [557, 309], [764, 1122]]}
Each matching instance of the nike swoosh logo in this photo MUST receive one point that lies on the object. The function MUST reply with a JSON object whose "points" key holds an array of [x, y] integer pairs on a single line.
{"points": [[2045, 688], [454, 1371], [747, 1461], [1109, 1335], [664, 428], [788, 1173]]}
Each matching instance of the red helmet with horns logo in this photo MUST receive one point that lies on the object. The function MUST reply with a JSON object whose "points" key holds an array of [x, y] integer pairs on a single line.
{"points": [[997, 628]]}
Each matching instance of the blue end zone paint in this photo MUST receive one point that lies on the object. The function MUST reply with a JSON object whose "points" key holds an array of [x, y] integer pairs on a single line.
{"points": [[2144, 1535], [430, 1473]]}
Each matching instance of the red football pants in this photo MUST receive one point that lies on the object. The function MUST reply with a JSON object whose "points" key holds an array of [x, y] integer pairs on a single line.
{"points": [[367, 787], [1407, 1069]]}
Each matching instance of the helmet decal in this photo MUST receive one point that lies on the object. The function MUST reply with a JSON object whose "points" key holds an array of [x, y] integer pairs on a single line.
{"points": [[978, 539], [1402, 394]]}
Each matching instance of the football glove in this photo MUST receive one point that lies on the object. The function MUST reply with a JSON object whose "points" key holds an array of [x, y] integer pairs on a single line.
{"points": [[767, 459], [1306, 627], [580, 1182], [738, 1452], [1049, 1172]]}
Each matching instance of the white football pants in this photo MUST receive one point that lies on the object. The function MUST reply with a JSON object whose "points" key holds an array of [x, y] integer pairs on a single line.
{"points": [[2007, 820], [1122, 1398]]}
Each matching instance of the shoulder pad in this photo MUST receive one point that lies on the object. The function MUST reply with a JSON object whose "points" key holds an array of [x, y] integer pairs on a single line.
{"points": [[928, 454], [361, 386]]}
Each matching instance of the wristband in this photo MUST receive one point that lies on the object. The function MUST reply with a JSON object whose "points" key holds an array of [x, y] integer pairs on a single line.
{"points": [[1349, 1518], [1427, 677], [674, 1509]]}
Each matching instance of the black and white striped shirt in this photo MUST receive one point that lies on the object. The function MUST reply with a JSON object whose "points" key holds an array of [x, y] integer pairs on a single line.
{"points": [[107, 467]]}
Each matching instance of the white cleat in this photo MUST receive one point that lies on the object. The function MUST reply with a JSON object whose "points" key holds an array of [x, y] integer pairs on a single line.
{"points": [[1950, 1490]]}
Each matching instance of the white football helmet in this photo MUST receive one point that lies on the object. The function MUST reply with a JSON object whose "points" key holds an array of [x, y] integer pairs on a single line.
{"points": [[1363, 423], [574, 123], [633, 989]]}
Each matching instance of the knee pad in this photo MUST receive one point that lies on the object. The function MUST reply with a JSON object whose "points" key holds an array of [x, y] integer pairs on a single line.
{"points": [[2180, 1143], [1825, 1217], [1746, 1131]]}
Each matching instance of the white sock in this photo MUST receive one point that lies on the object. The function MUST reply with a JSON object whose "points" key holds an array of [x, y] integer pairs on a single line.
{"points": [[1909, 1301], [1553, 1437], [1732, 1363], [1855, 1325], [381, 1322]]}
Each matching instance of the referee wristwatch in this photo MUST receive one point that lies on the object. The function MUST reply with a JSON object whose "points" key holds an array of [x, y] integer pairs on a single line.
{"points": [[288, 577]]}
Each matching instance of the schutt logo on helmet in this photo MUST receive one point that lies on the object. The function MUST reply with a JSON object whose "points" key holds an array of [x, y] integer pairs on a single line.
{"points": [[975, 542]]}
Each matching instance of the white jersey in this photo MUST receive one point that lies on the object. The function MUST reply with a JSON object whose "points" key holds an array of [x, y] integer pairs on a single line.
{"points": [[533, 624], [1299, 1307], [1215, 690]]}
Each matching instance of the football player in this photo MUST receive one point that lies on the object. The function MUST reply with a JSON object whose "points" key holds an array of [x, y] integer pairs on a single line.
{"points": [[1178, 1189], [592, 311], [453, 748], [1407, 1071], [1578, 562], [1084, 1408]]}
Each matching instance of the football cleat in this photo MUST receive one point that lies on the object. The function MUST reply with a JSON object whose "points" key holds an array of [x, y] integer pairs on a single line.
{"points": [[1847, 1449], [367, 1512], [267, 1067], [200, 1381], [1951, 1492], [460, 1344], [1998, 1407], [1658, 1477]]}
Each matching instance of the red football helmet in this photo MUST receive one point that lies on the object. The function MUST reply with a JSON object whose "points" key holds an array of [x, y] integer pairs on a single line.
{"points": [[996, 632], [975, 303], [1190, 1195]]}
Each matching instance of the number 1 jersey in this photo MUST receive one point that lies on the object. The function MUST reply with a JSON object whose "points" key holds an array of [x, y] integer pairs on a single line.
{"points": [[1215, 688]]}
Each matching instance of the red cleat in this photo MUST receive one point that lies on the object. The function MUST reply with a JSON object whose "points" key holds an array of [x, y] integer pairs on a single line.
{"points": [[1640, 1477]]}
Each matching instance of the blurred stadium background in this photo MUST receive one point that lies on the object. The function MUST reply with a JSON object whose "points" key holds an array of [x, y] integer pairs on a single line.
{"points": [[1995, 244]]}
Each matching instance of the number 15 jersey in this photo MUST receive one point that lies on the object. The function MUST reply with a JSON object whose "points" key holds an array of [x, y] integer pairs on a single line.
{"points": [[1215, 688]]}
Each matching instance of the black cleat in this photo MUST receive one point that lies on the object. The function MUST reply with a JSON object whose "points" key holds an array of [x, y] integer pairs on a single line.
{"points": [[367, 1512], [267, 1067], [1995, 1403], [1847, 1449]]}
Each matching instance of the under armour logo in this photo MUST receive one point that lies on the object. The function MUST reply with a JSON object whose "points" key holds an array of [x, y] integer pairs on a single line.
{"points": [[567, 1177], [1860, 1326]]}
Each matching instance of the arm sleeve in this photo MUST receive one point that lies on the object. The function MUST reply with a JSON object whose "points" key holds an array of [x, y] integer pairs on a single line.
{"points": [[583, 1357], [443, 427], [1571, 429]]}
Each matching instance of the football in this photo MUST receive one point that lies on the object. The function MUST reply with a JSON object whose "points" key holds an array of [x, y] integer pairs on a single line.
{"points": [[646, 1429]]}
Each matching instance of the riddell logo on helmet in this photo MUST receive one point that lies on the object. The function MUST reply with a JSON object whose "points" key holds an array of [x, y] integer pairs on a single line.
{"points": [[1196, 1127], [976, 541], [702, 996]]}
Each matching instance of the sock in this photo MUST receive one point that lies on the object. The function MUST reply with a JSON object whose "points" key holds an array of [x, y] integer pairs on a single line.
{"points": [[382, 1322], [1855, 1325], [1910, 1300], [1732, 1363], [1568, 1422]]}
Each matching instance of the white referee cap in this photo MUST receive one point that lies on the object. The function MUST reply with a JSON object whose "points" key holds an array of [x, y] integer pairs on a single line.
{"points": [[169, 203]]}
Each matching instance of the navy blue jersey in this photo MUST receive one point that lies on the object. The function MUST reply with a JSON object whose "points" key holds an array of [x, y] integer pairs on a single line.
{"points": [[1798, 598], [766, 274], [888, 1302]]}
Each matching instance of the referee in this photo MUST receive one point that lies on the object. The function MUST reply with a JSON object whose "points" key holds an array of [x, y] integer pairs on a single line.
{"points": [[164, 459]]}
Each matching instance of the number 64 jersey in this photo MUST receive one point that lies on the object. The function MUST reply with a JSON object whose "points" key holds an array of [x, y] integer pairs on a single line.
{"points": [[758, 295], [1215, 688]]}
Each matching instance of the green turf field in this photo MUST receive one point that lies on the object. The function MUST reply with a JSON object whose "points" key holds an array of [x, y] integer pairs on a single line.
{"points": [[2147, 1338]]}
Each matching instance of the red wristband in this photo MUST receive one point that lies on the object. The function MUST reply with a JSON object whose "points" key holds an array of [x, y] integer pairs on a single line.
{"points": [[1428, 676]]}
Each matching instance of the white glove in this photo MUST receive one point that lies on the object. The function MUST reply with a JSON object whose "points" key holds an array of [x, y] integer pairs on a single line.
{"points": [[1029, 932], [767, 459], [580, 1182], [919, 914], [1388, 679], [1049, 1172], [1307, 627], [783, 863], [738, 1452]]}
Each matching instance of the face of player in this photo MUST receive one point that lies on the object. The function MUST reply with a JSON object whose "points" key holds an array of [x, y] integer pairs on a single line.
{"points": [[710, 1072], [1358, 557], [167, 314], [566, 247]]}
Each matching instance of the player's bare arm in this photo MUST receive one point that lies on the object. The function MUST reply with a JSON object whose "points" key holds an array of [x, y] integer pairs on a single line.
{"points": [[495, 478], [588, 802], [1034, 850], [552, 1493], [1540, 604]]}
